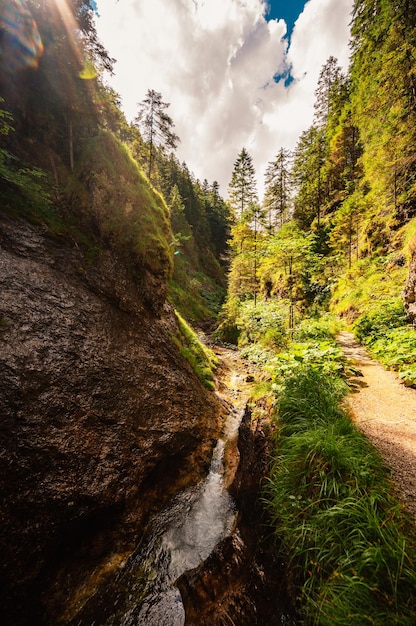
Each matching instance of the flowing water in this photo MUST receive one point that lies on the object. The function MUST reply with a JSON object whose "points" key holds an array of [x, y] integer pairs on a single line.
{"points": [[181, 537]]}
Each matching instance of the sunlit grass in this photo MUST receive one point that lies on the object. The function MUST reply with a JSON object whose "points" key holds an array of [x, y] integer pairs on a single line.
{"points": [[350, 548], [202, 360]]}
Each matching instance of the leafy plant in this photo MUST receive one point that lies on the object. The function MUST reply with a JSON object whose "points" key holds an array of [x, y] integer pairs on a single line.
{"points": [[28, 187], [390, 339], [325, 356], [324, 327], [374, 324], [264, 323]]}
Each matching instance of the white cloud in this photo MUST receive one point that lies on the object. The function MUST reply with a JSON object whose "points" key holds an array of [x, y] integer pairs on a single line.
{"points": [[214, 61]]}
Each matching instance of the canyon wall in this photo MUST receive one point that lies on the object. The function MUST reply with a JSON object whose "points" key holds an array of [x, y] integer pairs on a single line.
{"points": [[102, 419]]}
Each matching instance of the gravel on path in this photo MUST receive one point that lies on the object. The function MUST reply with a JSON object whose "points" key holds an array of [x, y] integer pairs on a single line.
{"points": [[385, 411]]}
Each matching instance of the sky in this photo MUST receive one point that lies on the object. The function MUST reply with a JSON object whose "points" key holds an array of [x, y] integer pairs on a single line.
{"points": [[237, 73]]}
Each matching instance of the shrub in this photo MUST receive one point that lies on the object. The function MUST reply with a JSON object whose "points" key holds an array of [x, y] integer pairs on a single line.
{"points": [[386, 316]]}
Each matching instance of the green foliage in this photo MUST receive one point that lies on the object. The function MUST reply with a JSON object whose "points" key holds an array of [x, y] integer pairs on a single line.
{"points": [[351, 551], [373, 325], [194, 294], [383, 102], [307, 175], [370, 282], [277, 192], [199, 219], [291, 267], [324, 356], [202, 359], [263, 324], [324, 327], [390, 339], [26, 190], [129, 214], [197, 287]]}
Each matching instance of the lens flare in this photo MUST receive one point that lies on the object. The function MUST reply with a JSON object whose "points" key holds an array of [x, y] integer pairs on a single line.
{"points": [[88, 72], [20, 42]]}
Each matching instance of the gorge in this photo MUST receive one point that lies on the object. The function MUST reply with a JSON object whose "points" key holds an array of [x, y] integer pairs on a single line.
{"points": [[103, 423], [176, 447]]}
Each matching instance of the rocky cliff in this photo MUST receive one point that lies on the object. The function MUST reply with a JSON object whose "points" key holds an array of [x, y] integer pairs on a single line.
{"points": [[102, 419]]}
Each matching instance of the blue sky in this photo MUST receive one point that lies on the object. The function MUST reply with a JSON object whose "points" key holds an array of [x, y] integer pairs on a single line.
{"points": [[216, 63], [289, 10]]}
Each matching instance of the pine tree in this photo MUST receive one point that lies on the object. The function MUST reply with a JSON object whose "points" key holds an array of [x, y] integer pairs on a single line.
{"points": [[242, 188], [277, 194], [156, 125], [328, 94], [308, 177]]}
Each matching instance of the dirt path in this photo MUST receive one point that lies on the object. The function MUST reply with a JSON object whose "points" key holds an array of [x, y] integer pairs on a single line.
{"points": [[386, 412]]}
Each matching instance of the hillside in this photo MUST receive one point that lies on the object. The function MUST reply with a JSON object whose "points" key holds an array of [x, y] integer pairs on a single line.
{"points": [[106, 411]]}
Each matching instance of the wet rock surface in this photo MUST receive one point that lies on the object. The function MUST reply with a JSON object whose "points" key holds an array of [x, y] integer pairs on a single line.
{"points": [[243, 581], [102, 420]]}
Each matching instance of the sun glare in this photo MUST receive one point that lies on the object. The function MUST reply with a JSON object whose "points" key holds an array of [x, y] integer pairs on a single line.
{"points": [[88, 71], [21, 36]]}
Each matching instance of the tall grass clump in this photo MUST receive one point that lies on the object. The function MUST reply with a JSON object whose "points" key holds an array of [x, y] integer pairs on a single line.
{"points": [[202, 359], [350, 549]]}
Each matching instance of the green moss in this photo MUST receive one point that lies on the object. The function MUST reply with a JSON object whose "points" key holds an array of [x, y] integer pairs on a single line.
{"points": [[130, 215], [202, 359]]}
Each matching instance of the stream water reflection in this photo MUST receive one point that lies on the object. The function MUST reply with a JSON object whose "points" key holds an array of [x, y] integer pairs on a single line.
{"points": [[182, 537]]}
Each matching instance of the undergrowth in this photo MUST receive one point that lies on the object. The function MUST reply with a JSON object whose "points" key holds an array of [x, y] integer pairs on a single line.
{"points": [[349, 546], [390, 339], [367, 284]]}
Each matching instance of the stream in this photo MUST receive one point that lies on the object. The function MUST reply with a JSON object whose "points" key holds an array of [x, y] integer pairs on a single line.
{"points": [[182, 536], [179, 538]]}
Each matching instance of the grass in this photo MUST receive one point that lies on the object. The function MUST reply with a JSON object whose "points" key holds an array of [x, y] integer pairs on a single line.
{"points": [[350, 547], [202, 359]]}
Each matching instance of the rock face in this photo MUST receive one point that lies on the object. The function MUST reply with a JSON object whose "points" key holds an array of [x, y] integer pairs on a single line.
{"points": [[409, 292], [242, 582], [101, 419]]}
